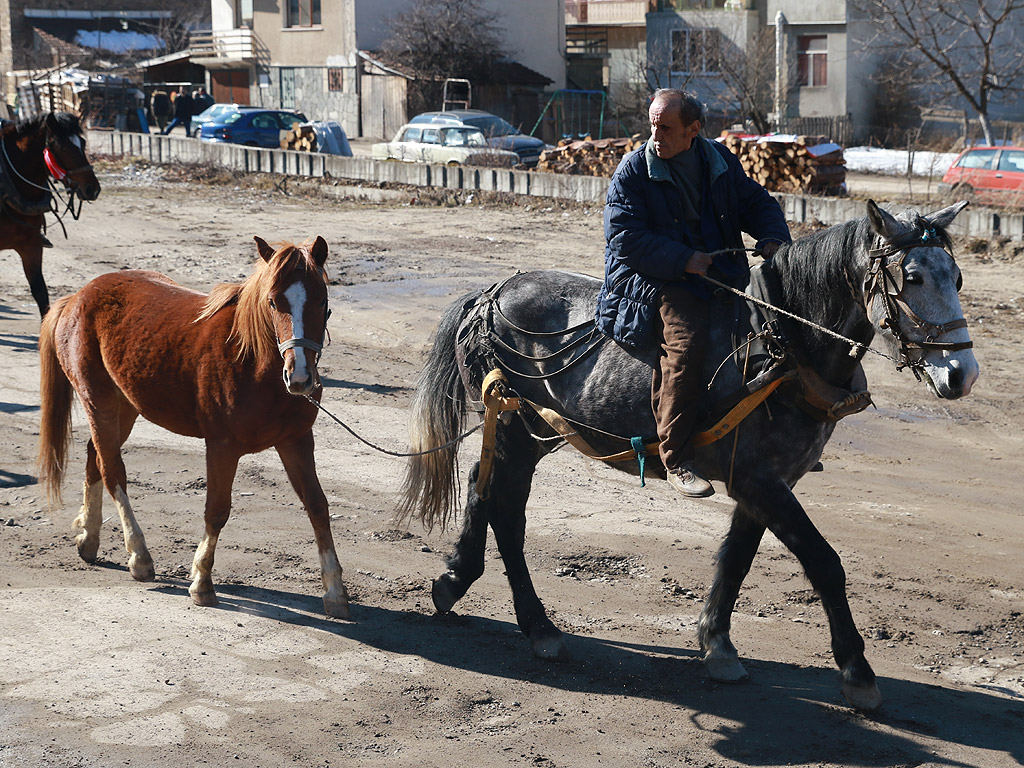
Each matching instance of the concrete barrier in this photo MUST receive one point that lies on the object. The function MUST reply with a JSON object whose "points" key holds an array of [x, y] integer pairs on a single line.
{"points": [[975, 222]]}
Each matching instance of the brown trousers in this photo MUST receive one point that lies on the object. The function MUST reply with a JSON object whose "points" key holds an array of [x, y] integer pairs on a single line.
{"points": [[676, 389]]}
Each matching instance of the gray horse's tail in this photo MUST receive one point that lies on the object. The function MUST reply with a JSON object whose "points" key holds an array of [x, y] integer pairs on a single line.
{"points": [[430, 488]]}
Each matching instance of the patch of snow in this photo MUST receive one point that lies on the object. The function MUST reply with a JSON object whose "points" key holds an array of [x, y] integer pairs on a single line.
{"points": [[894, 161]]}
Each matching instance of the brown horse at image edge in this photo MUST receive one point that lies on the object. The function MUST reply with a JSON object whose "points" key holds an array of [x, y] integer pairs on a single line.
{"points": [[235, 368]]}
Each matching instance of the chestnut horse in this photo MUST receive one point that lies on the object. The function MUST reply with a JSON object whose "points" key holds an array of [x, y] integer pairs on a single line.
{"points": [[34, 151], [234, 368]]}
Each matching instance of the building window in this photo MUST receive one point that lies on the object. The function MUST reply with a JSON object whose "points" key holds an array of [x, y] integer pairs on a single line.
{"points": [[696, 51], [303, 13], [812, 59], [243, 13], [335, 79]]}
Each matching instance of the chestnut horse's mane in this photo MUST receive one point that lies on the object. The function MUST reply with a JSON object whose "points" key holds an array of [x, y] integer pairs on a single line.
{"points": [[252, 325]]}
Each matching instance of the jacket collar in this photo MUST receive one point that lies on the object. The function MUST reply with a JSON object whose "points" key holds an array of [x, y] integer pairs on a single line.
{"points": [[658, 170]]}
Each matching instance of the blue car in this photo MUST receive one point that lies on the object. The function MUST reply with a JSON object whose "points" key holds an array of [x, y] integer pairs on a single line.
{"points": [[251, 127]]}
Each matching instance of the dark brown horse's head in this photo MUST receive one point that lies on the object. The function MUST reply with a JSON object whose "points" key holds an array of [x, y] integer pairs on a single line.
{"points": [[65, 155]]}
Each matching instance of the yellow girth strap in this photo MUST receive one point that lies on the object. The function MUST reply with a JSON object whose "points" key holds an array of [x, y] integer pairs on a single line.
{"points": [[495, 399], [739, 412]]}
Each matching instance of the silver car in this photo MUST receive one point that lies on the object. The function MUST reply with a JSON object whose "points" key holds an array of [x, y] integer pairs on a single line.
{"points": [[443, 145]]}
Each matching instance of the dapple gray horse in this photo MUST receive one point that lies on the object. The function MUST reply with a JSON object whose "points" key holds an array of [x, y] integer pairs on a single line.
{"points": [[894, 275]]}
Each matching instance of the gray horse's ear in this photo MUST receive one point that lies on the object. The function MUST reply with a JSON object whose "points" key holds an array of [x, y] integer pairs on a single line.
{"points": [[944, 218], [882, 222], [265, 251], [319, 251]]}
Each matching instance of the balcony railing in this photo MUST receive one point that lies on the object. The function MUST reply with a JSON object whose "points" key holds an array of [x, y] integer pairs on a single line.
{"points": [[235, 44], [608, 12]]}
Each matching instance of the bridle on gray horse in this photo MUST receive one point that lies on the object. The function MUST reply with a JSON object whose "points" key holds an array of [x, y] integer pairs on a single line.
{"points": [[885, 279]]}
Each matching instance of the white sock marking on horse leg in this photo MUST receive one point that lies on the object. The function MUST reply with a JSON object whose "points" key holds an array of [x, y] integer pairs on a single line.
{"points": [[202, 572], [335, 595], [140, 564], [90, 519]]}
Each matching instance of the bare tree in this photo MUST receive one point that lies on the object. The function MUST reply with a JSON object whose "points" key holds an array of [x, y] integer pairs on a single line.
{"points": [[438, 39], [748, 77], [972, 50]]}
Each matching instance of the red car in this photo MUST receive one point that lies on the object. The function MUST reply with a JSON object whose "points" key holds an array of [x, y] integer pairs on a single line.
{"points": [[993, 175]]}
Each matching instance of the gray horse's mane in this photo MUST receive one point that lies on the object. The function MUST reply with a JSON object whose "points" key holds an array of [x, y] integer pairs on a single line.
{"points": [[822, 274], [818, 272]]}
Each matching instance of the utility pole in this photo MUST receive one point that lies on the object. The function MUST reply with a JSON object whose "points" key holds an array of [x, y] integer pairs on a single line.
{"points": [[780, 45]]}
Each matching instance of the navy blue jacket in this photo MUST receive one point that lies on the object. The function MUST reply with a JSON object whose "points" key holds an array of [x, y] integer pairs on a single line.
{"points": [[647, 241]]}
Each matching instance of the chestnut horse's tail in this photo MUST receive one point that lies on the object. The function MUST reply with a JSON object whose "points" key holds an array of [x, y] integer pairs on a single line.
{"points": [[55, 394], [430, 488]]}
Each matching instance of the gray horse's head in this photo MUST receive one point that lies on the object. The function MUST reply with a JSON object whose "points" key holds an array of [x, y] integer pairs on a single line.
{"points": [[912, 297]]}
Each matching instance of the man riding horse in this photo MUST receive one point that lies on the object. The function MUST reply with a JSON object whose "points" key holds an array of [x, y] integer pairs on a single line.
{"points": [[671, 204]]}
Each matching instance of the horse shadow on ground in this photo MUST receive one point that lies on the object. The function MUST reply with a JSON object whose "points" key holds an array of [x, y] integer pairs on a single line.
{"points": [[15, 479], [378, 389], [787, 714]]}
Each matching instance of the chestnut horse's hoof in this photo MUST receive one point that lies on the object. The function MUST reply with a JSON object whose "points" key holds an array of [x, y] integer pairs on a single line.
{"points": [[205, 598], [141, 568], [866, 698], [88, 548], [336, 605]]}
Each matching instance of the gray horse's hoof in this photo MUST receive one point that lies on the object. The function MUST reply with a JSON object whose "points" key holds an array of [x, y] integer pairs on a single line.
{"points": [[725, 669], [866, 698], [443, 595], [549, 645]]}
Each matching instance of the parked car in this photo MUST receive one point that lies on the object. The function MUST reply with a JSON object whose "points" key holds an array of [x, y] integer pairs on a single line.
{"points": [[443, 145], [993, 175], [251, 127], [211, 113], [500, 133]]}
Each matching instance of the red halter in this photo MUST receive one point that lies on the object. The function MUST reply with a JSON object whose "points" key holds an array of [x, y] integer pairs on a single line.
{"points": [[54, 167]]}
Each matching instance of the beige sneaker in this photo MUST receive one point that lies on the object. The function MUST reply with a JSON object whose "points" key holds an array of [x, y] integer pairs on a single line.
{"points": [[689, 483]]}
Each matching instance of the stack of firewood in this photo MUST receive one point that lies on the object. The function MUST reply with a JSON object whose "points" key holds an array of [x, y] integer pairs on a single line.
{"points": [[807, 164], [587, 156], [299, 137]]}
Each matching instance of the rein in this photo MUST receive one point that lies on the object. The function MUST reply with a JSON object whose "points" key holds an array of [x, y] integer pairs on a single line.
{"points": [[58, 173]]}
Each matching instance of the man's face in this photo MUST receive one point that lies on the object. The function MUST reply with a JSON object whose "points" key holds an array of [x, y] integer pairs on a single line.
{"points": [[668, 133]]}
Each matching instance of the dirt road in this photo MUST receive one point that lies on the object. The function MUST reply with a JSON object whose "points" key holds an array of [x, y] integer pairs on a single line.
{"points": [[922, 498]]}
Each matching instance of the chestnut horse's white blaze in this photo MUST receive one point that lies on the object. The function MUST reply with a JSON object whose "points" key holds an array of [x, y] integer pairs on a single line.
{"points": [[204, 366], [296, 374]]}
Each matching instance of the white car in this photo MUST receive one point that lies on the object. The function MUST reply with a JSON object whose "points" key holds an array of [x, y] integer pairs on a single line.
{"points": [[443, 145]]}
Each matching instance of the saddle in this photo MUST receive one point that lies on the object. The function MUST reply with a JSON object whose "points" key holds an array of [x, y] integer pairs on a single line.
{"points": [[767, 354]]}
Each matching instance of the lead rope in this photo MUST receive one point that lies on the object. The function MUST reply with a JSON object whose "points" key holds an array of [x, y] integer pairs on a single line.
{"points": [[398, 454]]}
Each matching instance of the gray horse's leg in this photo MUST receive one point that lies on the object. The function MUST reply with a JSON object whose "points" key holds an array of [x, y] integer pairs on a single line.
{"points": [[781, 512], [466, 563], [733, 564], [510, 488]]}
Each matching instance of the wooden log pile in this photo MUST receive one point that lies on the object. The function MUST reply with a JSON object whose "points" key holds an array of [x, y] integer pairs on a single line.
{"points": [[299, 137], [807, 164], [587, 156]]}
